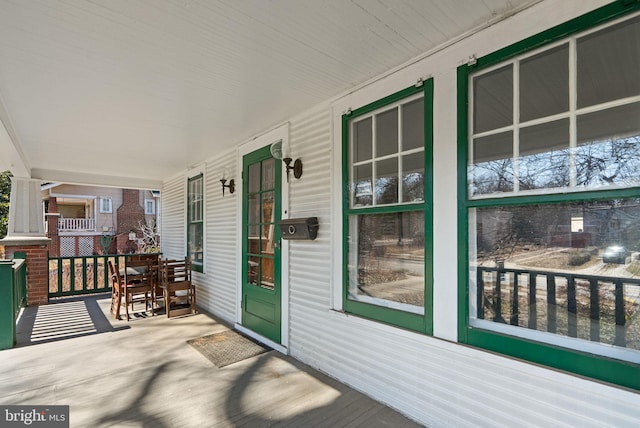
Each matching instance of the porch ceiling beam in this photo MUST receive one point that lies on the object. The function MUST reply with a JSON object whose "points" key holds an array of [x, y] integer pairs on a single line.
{"points": [[95, 179], [12, 158]]}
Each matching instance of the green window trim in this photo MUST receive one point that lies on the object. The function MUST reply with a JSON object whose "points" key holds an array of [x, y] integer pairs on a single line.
{"points": [[617, 372], [197, 266], [397, 317]]}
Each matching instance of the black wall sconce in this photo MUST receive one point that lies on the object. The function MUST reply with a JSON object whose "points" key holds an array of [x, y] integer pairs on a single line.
{"points": [[297, 167], [278, 151], [231, 186]]}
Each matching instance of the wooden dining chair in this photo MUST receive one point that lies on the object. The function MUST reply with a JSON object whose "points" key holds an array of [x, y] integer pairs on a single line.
{"points": [[138, 285], [116, 290], [178, 290], [153, 259]]}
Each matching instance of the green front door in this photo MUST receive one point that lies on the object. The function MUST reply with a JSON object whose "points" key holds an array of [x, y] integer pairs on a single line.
{"points": [[261, 207]]}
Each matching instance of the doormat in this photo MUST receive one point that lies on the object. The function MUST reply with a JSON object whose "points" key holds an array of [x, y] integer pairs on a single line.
{"points": [[227, 347]]}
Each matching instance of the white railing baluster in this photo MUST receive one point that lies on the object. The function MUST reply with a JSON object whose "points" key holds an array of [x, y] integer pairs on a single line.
{"points": [[76, 224]]}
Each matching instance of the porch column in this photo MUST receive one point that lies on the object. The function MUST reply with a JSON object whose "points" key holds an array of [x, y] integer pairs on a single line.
{"points": [[26, 234]]}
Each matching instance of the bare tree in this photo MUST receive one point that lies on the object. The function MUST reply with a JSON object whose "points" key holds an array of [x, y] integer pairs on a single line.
{"points": [[150, 236]]}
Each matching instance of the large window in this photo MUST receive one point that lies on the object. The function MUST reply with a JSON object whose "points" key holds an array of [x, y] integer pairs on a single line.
{"points": [[551, 156], [387, 209], [195, 222]]}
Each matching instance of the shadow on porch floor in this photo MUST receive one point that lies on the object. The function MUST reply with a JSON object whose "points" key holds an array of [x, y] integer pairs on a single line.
{"points": [[143, 373]]}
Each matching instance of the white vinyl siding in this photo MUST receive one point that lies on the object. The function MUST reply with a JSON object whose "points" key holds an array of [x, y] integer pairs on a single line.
{"points": [[217, 292], [310, 261], [172, 232]]}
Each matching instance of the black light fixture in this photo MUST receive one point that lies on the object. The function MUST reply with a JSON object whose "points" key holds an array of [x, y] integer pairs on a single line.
{"points": [[231, 186], [297, 167], [280, 151]]}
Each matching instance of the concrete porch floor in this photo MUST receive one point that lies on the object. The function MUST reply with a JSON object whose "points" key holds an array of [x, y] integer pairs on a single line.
{"points": [[143, 373]]}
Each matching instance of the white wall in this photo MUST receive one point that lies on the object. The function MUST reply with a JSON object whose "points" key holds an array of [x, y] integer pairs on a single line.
{"points": [[216, 288], [430, 379]]}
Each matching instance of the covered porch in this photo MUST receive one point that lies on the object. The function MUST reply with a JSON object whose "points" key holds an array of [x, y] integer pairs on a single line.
{"points": [[468, 166], [144, 373]]}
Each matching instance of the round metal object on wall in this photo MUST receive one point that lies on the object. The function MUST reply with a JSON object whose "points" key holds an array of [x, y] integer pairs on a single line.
{"points": [[297, 168]]}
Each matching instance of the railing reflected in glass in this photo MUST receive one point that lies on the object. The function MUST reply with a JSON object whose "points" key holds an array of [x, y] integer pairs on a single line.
{"points": [[571, 269]]}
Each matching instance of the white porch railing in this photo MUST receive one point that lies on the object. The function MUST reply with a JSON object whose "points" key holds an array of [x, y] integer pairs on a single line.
{"points": [[76, 225]]}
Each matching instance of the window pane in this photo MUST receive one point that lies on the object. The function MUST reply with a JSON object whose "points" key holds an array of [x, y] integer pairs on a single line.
{"points": [[493, 100], [386, 253], [254, 177], [544, 84], [362, 140], [195, 243], [609, 64], [362, 185], [194, 221], [609, 147], [105, 205], [387, 132], [149, 206], [413, 124], [544, 155], [492, 168], [413, 177], [387, 181], [569, 269]]}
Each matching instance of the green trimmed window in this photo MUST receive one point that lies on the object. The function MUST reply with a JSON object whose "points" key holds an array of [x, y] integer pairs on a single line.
{"points": [[195, 222], [550, 197], [387, 209]]}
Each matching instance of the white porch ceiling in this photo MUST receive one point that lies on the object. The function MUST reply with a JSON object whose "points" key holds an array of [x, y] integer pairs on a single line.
{"points": [[128, 92]]}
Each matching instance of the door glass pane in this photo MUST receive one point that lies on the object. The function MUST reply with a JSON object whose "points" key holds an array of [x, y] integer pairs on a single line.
{"points": [[387, 181], [609, 64], [544, 84], [254, 178], [253, 270], [492, 168], [544, 155], [267, 207], [362, 140], [387, 257], [413, 177], [387, 132], [253, 208], [253, 224], [267, 273], [253, 239], [493, 100], [268, 226], [268, 174], [413, 124]]}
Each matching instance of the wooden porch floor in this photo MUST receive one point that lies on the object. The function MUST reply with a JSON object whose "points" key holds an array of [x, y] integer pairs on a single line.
{"points": [[143, 373]]}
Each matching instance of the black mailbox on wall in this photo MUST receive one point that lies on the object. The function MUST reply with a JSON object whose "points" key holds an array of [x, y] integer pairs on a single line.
{"points": [[299, 228]]}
